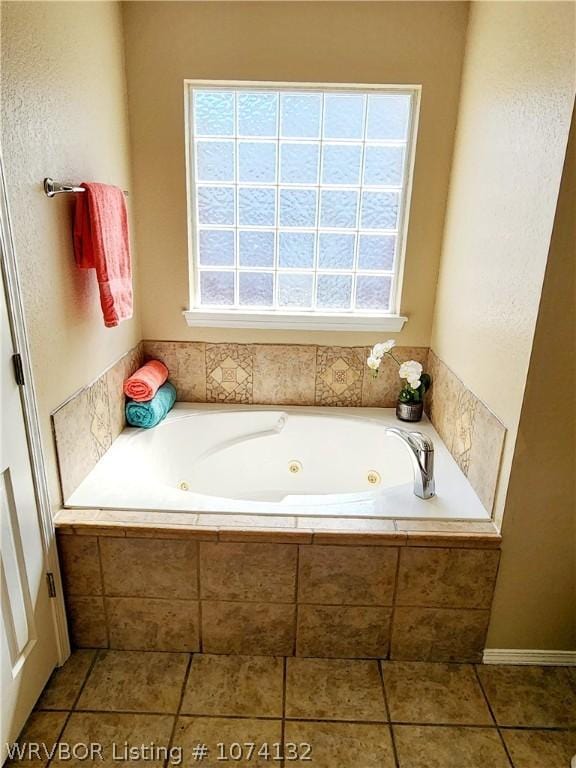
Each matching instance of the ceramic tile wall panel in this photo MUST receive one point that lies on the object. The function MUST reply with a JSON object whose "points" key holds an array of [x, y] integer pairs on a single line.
{"points": [[87, 423], [472, 433], [176, 594], [186, 363]]}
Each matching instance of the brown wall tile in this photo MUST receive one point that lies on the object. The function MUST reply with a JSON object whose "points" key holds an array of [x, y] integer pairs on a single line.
{"points": [[83, 434], [86, 622], [382, 391], [343, 631], [284, 374], [165, 568], [448, 577], [186, 364], [115, 377], [252, 628], [438, 634], [146, 624], [486, 448], [347, 575], [252, 572], [80, 564], [470, 431]]}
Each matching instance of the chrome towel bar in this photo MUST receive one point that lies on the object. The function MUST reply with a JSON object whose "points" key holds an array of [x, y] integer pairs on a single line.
{"points": [[52, 188]]}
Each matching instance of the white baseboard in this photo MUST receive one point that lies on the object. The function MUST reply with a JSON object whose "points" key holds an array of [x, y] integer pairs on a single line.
{"points": [[523, 656]]}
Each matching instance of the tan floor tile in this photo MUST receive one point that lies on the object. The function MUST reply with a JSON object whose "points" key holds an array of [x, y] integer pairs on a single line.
{"points": [[540, 749], [245, 686], [42, 729], [347, 575], [442, 694], [249, 628], [149, 567], [65, 683], [109, 734], [334, 689], [343, 631], [257, 572], [451, 578], [145, 624], [354, 745], [210, 731], [134, 681], [80, 565], [540, 697], [449, 747]]}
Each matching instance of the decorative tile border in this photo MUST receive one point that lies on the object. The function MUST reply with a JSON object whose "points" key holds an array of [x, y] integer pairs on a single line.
{"points": [[87, 423], [471, 432], [280, 374], [423, 603]]}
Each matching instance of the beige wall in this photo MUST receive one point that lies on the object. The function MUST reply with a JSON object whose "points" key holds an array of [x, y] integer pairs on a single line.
{"points": [[63, 115], [516, 100], [535, 603], [389, 42]]}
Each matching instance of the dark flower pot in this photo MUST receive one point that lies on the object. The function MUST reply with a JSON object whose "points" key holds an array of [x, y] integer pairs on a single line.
{"points": [[409, 411]]}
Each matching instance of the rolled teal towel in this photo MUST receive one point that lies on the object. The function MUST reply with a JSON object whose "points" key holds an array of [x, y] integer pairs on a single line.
{"points": [[151, 413]]}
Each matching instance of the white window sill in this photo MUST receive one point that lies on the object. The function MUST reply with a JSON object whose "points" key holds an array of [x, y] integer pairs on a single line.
{"points": [[303, 321]]}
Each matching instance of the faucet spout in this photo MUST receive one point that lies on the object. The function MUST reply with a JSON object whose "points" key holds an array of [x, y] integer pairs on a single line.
{"points": [[422, 456]]}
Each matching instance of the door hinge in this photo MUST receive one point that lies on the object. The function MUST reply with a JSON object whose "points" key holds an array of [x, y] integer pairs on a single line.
{"points": [[51, 585], [18, 369]]}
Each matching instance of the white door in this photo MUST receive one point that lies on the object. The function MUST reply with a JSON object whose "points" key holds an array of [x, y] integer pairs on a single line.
{"points": [[29, 646]]}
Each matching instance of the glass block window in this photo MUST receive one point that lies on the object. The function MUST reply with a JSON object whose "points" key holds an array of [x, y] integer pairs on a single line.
{"points": [[298, 196]]}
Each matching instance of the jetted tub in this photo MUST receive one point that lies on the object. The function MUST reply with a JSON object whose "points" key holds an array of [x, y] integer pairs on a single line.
{"points": [[275, 460]]}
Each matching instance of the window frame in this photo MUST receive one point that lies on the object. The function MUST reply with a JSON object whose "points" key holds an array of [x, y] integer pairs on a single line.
{"points": [[234, 317]]}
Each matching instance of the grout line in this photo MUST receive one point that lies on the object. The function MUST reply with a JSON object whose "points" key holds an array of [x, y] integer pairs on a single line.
{"points": [[284, 691], [104, 596], [199, 600], [493, 716], [179, 707], [388, 713], [394, 598], [296, 602], [74, 704]]}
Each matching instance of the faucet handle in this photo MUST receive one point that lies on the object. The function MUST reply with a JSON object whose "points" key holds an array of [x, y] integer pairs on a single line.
{"points": [[422, 441], [418, 441]]}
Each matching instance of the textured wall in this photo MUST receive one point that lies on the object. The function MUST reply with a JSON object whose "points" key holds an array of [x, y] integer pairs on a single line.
{"points": [[167, 42], [535, 604], [516, 100], [63, 115]]}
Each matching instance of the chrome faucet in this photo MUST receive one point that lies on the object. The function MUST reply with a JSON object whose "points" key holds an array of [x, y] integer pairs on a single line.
{"points": [[422, 455]]}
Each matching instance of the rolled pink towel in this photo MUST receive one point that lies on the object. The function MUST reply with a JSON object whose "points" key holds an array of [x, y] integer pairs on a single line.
{"points": [[144, 384]]}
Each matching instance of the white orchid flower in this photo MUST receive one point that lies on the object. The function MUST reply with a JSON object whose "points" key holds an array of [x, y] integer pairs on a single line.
{"points": [[414, 383], [411, 370], [374, 362], [383, 348]]}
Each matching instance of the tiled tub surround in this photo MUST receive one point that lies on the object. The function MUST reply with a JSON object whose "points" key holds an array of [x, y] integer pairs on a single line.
{"points": [[238, 459], [405, 595], [279, 374], [86, 425], [284, 374]]}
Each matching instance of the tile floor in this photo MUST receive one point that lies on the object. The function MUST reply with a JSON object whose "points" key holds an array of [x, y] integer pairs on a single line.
{"points": [[352, 713]]}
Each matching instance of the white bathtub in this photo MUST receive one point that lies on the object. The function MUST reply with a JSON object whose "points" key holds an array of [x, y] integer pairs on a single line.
{"points": [[274, 460]]}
